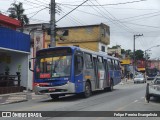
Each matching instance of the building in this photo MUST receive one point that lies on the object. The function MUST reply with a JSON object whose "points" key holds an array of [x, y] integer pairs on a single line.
{"points": [[116, 51], [8, 22], [93, 37], [141, 65], [153, 64], [14, 52]]}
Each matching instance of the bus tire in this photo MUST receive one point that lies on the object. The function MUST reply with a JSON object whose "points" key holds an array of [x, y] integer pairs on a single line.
{"points": [[87, 93], [54, 97], [111, 86]]}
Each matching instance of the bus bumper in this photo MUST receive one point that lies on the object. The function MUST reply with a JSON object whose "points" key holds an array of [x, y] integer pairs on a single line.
{"points": [[64, 89]]}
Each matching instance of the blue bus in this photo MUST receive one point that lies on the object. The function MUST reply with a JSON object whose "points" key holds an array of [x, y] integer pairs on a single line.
{"points": [[72, 70], [151, 73]]}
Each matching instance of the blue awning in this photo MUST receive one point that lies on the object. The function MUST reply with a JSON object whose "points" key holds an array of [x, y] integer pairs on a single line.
{"points": [[12, 39]]}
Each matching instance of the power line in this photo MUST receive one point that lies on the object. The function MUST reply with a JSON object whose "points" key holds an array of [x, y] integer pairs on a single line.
{"points": [[37, 12], [41, 2], [107, 4], [114, 17], [71, 18], [38, 20], [118, 20], [111, 20], [142, 25], [71, 11], [86, 12], [141, 15], [34, 7], [35, 3], [131, 8]]}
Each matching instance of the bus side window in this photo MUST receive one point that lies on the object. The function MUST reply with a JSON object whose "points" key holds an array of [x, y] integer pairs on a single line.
{"points": [[78, 63], [88, 61], [119, 67], [109, 64], [116, 64], [100, 63], [112, 64]]}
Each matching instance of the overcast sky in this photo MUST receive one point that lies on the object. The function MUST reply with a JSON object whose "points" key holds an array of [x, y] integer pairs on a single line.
{"points": [[125, 18]]}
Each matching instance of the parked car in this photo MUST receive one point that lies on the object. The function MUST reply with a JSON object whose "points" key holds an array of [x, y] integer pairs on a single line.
{"points": [[153, 89], [139, 79]]}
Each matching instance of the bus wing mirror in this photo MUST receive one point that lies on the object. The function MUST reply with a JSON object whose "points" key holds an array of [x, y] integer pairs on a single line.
{"points": [[30, 65]]}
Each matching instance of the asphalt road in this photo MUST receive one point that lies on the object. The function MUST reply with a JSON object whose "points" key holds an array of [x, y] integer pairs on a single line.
{"points": [[126, 97]]}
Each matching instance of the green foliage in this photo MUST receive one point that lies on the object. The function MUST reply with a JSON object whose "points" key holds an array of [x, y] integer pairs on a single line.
{"points": [[17, 11], [115, 47], [123, 51], [139, 54]]}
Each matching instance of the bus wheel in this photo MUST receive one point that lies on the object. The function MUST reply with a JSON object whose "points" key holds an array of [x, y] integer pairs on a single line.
{"points": [[55, 97], [111, 86], [87, 93]]}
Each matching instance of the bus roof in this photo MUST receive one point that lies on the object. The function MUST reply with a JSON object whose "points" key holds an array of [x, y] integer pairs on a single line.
{"points": [[82, 49]]}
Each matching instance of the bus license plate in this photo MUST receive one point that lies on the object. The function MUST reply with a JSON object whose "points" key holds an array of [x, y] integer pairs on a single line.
{"points": [[51, 89]]}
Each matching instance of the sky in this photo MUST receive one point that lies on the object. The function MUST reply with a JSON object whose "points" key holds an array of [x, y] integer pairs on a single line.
{"points": [[126, 18]]}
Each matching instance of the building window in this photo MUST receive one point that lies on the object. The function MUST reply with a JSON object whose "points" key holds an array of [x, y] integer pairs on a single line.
{"points": [[65, 33], [103, 48]]}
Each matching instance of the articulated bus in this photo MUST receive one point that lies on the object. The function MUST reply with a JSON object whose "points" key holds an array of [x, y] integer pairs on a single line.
{"points": [[72, 70]]}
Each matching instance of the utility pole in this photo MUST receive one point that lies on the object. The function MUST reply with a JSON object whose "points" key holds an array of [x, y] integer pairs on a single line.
{"points": [[52, 24], [146, 57], [134, 57]]}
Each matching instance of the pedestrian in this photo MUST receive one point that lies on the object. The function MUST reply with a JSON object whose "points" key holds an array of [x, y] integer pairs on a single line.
{"points": [[131, 75]]}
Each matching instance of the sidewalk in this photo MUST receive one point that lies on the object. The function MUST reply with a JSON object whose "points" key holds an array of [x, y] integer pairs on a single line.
{"points": [[19, 97], [126, 81]]}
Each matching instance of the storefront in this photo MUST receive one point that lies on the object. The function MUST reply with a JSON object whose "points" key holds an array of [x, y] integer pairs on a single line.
{"points": [[14, 56]]}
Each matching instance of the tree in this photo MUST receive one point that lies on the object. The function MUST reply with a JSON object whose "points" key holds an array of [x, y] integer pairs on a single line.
{"points": [[123, 51], [139, 55], [115, 47], [128, 53], [17, 11]]}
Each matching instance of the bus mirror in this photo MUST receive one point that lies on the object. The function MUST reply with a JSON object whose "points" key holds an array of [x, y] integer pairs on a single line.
{"points": [[30, 65]]}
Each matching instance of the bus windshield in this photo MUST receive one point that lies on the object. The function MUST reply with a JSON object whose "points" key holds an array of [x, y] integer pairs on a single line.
{"points": [[152, 72], [53, 66]]}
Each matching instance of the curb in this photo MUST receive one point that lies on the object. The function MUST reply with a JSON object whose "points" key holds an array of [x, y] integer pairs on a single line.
{"points": [[18, 101], [123, 82], [18, 97], [13, 98]]}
